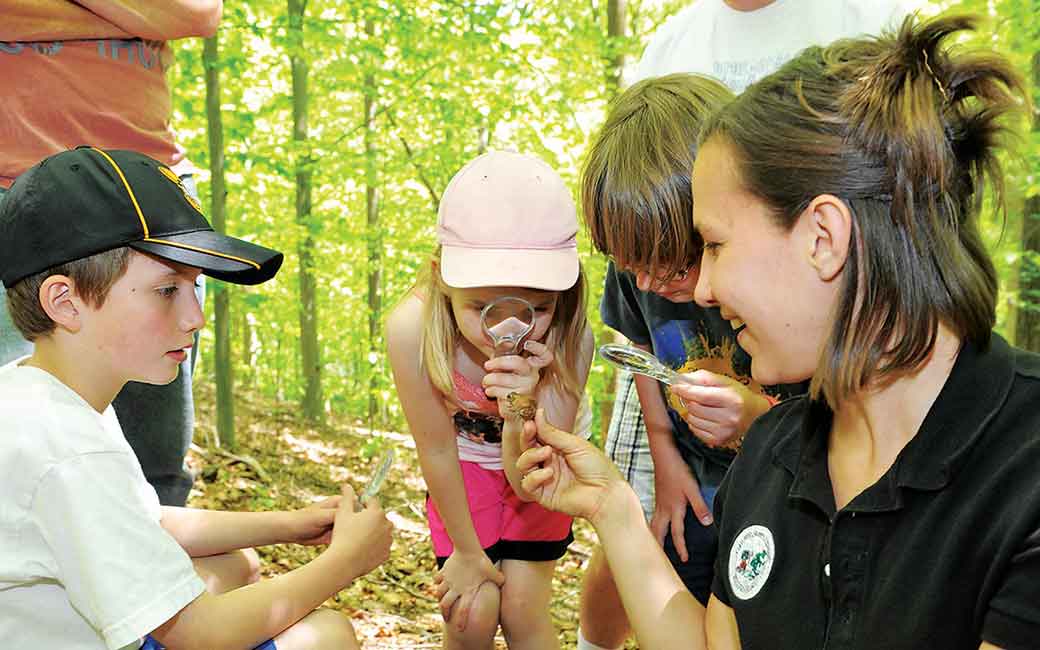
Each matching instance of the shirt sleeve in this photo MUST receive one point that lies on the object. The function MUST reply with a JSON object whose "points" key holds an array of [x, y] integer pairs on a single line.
{"points": [[123, 573], [1013, 619], [620, 308]]}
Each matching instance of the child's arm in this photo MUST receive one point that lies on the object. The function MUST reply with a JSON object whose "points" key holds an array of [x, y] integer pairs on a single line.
{"points": [[674, 483], [211, 532], [560, 408], [245, 617], [434, 434]]}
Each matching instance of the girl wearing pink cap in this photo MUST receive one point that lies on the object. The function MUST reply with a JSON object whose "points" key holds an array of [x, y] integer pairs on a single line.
{"points": [[506, 227]]}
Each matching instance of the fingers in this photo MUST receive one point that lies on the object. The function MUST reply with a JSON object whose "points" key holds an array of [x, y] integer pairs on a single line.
{"points": [[331, 502], [498, 577], [659, 526], [541, 354], [528, 435], [348, 501], [536, 478], [678, 528], [447, 603], [700, 507], [704, 396], [532, 457]]}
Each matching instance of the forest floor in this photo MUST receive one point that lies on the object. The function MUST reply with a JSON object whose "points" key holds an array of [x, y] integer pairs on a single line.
{"points": [[282, 463]]}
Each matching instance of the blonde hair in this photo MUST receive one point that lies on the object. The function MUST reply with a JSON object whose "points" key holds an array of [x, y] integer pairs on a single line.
{"points": [[440, 334]]}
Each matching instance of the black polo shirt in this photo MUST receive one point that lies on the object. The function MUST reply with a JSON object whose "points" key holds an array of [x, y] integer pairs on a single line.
{"points": [[942, 552]]}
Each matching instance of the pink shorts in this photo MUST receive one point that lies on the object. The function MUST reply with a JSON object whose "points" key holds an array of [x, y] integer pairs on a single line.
{"points": [[508, 528]]}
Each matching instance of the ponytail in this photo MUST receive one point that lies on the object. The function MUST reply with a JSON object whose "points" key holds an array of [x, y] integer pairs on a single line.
{"points": [[904, 128]]}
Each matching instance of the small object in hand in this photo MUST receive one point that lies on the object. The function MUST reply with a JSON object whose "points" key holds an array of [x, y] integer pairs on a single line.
{"points": [[378, 477], [524, 406]]}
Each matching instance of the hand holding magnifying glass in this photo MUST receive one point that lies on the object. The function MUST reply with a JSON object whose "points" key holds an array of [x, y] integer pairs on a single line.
{"points": [[508, 321]]}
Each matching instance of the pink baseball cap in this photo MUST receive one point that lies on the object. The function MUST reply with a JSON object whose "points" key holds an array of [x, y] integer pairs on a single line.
{"points": [[507, 220]]}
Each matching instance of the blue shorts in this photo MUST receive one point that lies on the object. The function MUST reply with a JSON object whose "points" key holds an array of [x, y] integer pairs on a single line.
{"points": [[152, 644]]}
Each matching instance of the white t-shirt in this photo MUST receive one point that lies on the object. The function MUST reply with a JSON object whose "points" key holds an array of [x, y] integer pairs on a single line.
{"points": [[740, 47], [84, 563]]}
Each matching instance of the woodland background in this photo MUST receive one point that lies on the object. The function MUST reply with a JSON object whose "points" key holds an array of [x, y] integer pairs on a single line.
{"points": [[328, 129]]}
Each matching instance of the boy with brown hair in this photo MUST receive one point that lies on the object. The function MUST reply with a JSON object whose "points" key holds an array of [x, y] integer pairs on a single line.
{"points": [[101, 252], [637, 201]]}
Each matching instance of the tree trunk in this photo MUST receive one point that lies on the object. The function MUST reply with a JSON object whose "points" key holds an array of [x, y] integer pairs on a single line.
{"points": [[310, 357], [373, 232], [223, 370], [614, 56], [615, 49], [1027, 328]]}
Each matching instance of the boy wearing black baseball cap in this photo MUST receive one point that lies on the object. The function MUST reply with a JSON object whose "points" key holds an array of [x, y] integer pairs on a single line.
{"points": [[101, 250]]}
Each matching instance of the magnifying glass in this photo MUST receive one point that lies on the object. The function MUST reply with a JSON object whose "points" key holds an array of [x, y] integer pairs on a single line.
{"points": [[640, 362], [507, 321]]}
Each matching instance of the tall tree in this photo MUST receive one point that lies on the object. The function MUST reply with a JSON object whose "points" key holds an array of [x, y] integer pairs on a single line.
{"points": [[1027, 328], [614, 64], [373, 232], [223, 370], [310, 353]]}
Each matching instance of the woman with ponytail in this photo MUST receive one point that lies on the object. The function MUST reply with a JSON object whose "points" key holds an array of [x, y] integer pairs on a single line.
{"points": [[898, 504]]}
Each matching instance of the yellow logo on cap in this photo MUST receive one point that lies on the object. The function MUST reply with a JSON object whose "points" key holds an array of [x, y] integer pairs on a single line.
{"points": [[176, 180]]}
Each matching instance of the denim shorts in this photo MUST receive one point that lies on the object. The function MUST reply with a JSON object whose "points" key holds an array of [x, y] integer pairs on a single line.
{"points": [[152, 644]]}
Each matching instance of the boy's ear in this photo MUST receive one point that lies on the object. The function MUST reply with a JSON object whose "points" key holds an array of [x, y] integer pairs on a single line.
{"points": [[830, 235], [60, 301]]}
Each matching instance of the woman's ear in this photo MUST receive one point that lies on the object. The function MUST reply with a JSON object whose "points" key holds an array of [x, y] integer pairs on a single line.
{"points": [[61, 303], [829, 234]]}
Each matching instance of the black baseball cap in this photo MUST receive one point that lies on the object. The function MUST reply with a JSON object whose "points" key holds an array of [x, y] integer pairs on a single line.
{"points": [[85, 201]]}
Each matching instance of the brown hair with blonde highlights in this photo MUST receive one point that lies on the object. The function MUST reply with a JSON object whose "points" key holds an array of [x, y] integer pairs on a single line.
{"points": [[905, 129], [92, 277], [635, 184]]}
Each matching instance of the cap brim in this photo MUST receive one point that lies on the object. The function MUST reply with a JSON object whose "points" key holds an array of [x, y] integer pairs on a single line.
{"points": [[550, 270], [219, 256]]}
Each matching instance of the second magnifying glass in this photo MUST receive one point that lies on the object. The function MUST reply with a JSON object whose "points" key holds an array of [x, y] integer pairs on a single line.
{"points": [[507, 321]]}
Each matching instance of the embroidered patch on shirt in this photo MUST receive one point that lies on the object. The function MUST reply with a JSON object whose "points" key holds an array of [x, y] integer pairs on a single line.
{"points": [[750, 561]]}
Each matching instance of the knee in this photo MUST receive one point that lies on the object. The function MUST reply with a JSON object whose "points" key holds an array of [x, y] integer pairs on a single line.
{"points": [[322, 629], [246, 569], [483, 618], [522, 610]]}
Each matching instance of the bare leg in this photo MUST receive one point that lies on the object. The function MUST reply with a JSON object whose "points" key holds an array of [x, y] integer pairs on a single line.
{"points": [[228, 571], [602, 617], [322, 629], [482, 625], [526, 623]]}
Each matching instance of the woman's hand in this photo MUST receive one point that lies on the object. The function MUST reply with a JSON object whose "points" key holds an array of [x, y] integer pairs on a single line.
{"points": [[517, 374], [566, 473], [458, 581], [719, 409]]}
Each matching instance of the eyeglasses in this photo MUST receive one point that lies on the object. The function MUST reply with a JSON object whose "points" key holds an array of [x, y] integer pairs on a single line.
{"points": [[664, 278]]}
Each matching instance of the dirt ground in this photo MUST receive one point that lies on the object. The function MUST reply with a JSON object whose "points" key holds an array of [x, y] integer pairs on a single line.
{"points": [[281, 463]]}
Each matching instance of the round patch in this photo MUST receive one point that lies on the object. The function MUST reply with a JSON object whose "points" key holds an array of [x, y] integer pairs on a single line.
{"points": [[750, 561]]}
